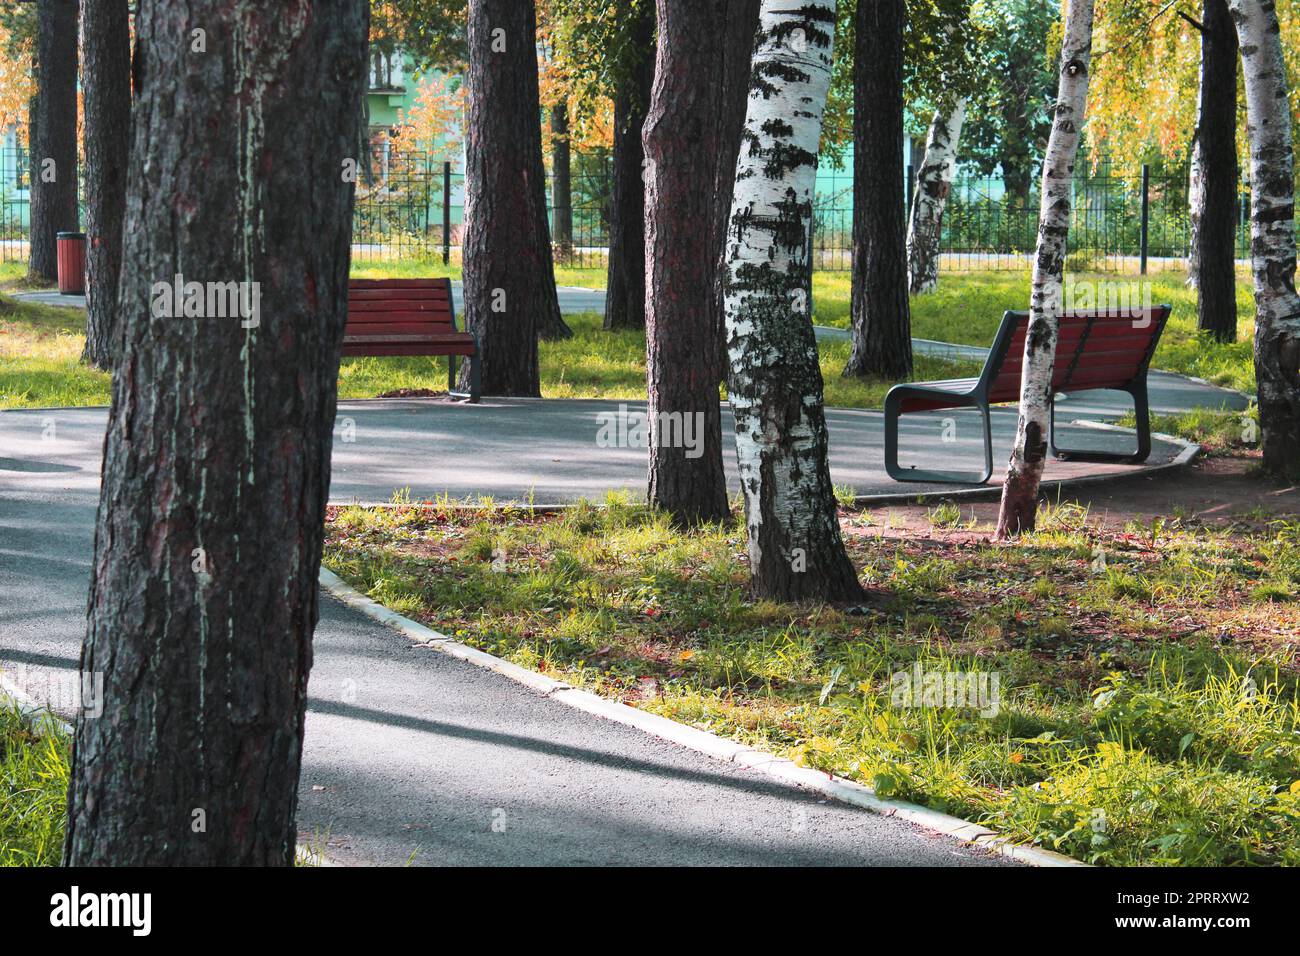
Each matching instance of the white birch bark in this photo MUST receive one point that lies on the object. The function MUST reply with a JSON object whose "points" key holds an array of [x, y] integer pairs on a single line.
{"points": [[1195, 201], [1025, 469], [933, 184], [775, 387], [1272, 234]]}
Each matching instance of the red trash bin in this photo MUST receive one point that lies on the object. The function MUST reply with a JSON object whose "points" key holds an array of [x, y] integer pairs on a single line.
{"points": [[72, 263]]}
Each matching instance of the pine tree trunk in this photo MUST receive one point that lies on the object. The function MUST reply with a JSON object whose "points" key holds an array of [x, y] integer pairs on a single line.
{"points": [[106, 45], [735, 60], [1272, 234], [208, 539], [1212, 188], [882, 322], [54, 146], [562, 179], [1029, 453], [625, 279], [680, 140], [510, 294], [795, 548], [933, 183]]}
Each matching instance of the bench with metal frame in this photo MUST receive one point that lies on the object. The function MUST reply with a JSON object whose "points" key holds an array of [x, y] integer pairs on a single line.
{"points": [[1095, 350]]}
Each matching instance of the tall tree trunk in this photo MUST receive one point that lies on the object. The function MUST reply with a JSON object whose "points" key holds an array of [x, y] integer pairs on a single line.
{"points": [[795, 548], [510, 294], [625, 279], [736, 59], [203, 592], [106, 42], [680, 140], [562, 179], [54, 146], [882, 320], [1028, 455], [933, 183], [1212, 188], [1272, 234]]}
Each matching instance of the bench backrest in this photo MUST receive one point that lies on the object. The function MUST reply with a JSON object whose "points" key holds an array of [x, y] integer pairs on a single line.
{"points": [[411, 306], [1095, 349]]}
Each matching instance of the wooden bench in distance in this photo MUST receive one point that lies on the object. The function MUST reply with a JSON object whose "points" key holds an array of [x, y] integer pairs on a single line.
{"points": [[409, 317], [1096, 350]]}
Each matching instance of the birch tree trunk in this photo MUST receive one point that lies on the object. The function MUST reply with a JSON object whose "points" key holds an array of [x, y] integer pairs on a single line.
{"points": [[625, 279], [933, 183], [735, 62], [203, 591], [1025, 470], [795, 549], [682, 366], [882, 326], [1272, 235], [106, 46], [1212, 185]]}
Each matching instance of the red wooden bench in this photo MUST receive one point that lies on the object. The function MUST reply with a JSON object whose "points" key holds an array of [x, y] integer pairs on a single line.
{"points": [[1096, 350], [409, 317]]}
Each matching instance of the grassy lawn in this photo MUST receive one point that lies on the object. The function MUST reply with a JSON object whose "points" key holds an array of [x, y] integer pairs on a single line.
{"points": [[39, 347], [1146, 709], [33, 784]]}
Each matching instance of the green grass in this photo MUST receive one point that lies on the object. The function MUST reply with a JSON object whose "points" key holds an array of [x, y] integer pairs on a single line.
{"points": [[1120, 739], [33, 788], [967, 307], [1217, 431], [40, 358], [40, 347]]}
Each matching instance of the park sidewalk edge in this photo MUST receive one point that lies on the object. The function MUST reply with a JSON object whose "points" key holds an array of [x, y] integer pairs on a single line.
{"points": [[711, 745]]}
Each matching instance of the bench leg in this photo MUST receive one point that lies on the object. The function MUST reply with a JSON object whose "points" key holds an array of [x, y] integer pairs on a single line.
{"points": [[475, 380], [1142, 416], [892, 468]]}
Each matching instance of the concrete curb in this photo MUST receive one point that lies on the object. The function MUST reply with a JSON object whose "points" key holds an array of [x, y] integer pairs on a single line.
{"points": [[711, 745], [40, 719], [1186, 455]]}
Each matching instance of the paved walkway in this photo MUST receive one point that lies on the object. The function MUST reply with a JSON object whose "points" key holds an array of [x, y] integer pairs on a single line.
{"points": [[430, 752], [425, 757]]}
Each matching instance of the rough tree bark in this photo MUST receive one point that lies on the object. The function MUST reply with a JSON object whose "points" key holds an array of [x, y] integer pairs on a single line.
{"points": [[106, 47], [682, 371], [1272, 234], [933, 183], [625, 278], [1028, 454], [562, 179], [54, 144], [203, 592], [1212, 186], [795, 548], [882, 322], [510, 294]]}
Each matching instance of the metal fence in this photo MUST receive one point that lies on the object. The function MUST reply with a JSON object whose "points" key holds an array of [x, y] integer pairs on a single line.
{"points": [[1123, 219], [410, 205]]}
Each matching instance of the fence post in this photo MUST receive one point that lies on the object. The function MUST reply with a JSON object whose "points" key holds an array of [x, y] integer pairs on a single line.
{"points": [[1146, 212], [446, 213]]}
